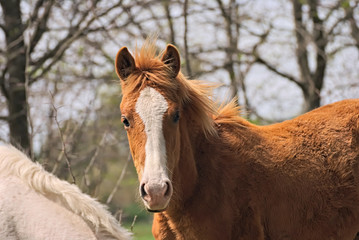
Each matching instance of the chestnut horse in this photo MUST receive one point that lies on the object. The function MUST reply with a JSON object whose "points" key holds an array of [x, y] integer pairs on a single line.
{"points": [[209, 174], [36, 205]]}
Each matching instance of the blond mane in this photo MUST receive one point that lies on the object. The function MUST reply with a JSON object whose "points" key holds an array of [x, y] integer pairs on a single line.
{"points": [[15, 163], [194, 94]]}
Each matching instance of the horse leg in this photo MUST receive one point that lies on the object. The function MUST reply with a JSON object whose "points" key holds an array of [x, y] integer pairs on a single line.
{"points": [[160, 228]]}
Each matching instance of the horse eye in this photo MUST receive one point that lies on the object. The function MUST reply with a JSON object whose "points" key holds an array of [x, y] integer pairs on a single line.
{"points": [[176, 117], [125, 122]]}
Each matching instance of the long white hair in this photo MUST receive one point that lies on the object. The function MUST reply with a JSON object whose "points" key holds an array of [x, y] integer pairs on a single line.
{"points": [[13, 162]]}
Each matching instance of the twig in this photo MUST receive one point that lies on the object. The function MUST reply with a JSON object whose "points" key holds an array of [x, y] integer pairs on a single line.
{"points": [[62, 141], [115, 189], [60, 156], [92, 161], [133, 223], [14, 43], [118, 216]]}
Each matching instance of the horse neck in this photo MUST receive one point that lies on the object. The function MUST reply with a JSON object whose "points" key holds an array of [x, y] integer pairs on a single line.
{"points": [[185, 175], [200, 169]]}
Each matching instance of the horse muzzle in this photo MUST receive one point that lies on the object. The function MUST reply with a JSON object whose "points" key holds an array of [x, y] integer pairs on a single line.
{"points": [[156, 194]]}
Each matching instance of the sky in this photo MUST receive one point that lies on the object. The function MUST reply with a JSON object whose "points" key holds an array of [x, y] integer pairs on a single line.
{"points": [[272, 96]]}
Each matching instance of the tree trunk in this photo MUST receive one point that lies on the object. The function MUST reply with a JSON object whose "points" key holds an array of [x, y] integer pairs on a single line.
{"points": [[229, 13], [311, 82], [311, 101], [14, 88]]}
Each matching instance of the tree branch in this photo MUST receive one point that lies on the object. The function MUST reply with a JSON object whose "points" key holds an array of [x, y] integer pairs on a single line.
{"points": [[4, 118], [231, 48], [119, 180], [185, 16], [280, 73], [41, 24], [170, 21], [341, 48], [92, 161], [301, 49], [320, 40], [37, 7], [353, 24], [73, 34], [347, 15], [55, 55], [64, 151]]}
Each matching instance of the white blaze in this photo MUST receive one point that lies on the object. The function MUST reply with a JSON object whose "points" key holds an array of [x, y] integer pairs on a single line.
{"points": [[151, 106]]}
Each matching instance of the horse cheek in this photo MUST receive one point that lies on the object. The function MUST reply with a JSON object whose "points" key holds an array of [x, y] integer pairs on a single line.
{"points": [[137, 141], [172, 137]]}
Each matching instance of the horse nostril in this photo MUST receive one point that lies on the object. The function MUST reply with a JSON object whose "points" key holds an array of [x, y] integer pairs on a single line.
{"points": [[143, 191], [168, 189]]}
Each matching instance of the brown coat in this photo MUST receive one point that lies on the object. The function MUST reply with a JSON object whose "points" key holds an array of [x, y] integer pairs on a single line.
{"points": [[233, 180], [293, 180]]}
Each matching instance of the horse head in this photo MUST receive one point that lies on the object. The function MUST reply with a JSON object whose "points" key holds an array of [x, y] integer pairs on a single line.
{"points": [[151, 114]]}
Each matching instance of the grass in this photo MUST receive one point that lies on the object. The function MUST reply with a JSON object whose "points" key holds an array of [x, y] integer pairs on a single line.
{"points": [[141, 230]]}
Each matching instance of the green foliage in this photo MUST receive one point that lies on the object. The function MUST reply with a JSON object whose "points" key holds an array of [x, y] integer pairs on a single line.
{"points": [[345, 4]]}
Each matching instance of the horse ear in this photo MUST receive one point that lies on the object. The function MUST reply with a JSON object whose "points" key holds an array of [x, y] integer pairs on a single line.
{"points": [[124, 63], [172, 59]]}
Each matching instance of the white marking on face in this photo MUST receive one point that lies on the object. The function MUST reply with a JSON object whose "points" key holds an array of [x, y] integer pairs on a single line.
{"points": [[151, 106]]}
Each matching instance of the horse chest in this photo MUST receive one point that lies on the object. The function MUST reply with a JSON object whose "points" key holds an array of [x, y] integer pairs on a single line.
{"points": [[207, 224]]}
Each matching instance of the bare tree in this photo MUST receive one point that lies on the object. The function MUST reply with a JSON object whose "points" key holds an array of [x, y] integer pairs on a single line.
{"points": [[28, 59], [311, 82], [13, 79], [312, 35]]}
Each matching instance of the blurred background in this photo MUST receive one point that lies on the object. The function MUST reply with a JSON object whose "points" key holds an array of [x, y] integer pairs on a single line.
{"points": [[60, 95]]}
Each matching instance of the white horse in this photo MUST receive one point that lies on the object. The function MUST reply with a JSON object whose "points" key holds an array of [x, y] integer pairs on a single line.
{"points": [[36, 205]]}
